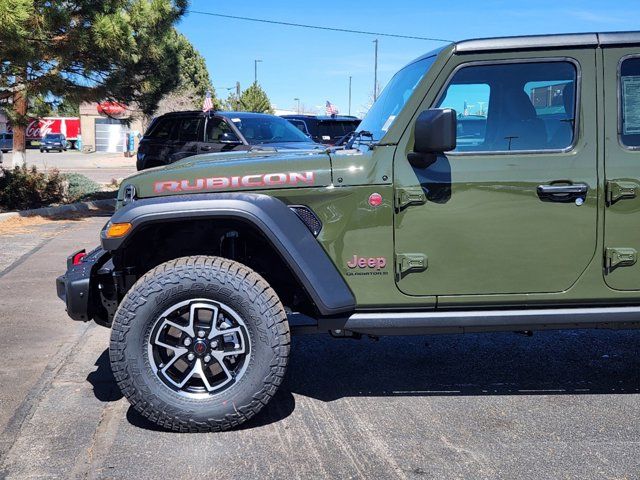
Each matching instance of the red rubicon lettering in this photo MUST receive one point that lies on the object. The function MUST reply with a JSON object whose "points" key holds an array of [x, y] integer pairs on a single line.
{"points": [[250, 181]]}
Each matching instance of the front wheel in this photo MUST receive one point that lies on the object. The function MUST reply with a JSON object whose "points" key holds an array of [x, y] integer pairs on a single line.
{"points": [[199, 344]]}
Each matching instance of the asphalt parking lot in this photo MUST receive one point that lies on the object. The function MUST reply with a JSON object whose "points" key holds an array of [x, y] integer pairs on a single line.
{"points": [[100, 167], [556, 405]]}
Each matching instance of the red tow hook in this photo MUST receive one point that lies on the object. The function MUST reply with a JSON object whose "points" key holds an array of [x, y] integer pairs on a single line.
{"points": [[78, 257]]}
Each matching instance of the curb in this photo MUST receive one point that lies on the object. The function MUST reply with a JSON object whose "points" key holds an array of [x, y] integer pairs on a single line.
{"points": [[81, 207]]}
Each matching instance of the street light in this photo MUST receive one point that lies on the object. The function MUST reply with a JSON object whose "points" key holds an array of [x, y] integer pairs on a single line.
{"points": [[255, 71], [298, 108]]}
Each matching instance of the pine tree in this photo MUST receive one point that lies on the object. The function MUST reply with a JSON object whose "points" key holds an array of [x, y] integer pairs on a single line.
{"points": [[254, 99], [120, 50]]}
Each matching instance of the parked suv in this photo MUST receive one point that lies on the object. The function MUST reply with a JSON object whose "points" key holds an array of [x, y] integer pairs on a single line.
{"points": [[493, 186], [6, 141], [324, 129], [178, 135]]}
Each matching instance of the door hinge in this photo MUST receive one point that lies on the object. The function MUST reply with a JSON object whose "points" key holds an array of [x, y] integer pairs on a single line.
{"points": [[410, 262], [619, 257], [409, 196], [618, 190]]}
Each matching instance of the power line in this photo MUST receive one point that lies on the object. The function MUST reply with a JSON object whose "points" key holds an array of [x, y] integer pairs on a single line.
{"points": [[317, 27]]}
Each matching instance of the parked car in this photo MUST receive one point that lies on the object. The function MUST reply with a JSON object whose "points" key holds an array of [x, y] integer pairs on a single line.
{"points": [[6, 141], [53, 141], [178, 135], [324, 129]]}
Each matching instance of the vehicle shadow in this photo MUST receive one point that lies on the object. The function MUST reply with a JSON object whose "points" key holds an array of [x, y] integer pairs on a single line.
{"points": [[549, 363]]}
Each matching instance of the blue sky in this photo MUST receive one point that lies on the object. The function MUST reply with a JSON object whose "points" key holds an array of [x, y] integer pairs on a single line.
{"points": [[315, 65]]}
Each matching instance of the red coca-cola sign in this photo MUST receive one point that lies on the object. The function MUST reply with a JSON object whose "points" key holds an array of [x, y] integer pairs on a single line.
{"points": [[112, 109], [39, 128]]}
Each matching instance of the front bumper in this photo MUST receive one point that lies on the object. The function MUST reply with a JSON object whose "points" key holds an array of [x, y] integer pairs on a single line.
{"points": [[78, 288]]}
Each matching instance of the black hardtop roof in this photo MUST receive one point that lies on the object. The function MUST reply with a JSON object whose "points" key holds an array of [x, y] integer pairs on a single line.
{"points": [[536, 42], [189, 113], [322, 118]]}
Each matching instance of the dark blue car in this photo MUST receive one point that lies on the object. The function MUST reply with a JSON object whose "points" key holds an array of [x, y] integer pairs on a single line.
{"points": [[53, 141]]}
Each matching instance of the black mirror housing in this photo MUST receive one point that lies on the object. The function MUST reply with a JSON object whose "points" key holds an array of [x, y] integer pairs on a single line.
{"points": [[435, 133]]}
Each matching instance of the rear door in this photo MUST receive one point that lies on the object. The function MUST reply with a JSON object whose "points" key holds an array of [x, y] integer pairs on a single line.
{"points": [[190, 132], [622, 168]]}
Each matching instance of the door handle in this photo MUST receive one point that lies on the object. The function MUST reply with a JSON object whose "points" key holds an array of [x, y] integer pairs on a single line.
{"points": [[206, 148], [562, 193]]}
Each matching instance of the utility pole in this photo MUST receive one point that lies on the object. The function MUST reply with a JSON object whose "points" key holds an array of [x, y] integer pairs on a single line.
{"points": [[375, 72], [237, 96], [255, 71], [349, 94], [298, 108]]}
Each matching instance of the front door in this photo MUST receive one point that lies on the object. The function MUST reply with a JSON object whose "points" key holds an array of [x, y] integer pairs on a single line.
{"points": [[219, 136], [622, 168], [513, 209]]}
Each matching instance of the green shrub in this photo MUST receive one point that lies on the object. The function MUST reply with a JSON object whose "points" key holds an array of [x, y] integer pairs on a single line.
{"points": [[79, 186], [23, 188]]}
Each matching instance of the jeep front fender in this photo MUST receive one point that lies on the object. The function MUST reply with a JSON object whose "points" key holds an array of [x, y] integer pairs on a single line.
{"points": [[281, 227]]}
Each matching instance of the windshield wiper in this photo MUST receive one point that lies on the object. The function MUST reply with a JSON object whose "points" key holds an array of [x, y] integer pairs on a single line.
{"points": [[356, 136]]}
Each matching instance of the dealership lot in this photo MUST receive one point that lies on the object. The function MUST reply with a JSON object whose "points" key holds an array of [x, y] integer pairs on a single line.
{"points": [[476, 406], [100, 167]]}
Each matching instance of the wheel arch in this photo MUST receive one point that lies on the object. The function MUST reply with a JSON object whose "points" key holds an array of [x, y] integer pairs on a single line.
{"points": [[263, 215]]}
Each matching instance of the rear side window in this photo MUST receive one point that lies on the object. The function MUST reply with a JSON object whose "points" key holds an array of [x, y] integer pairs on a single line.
{"points": [[630, 103], [514, 106], [300, 125], [189, 128], [335, 129], [161, 129]]}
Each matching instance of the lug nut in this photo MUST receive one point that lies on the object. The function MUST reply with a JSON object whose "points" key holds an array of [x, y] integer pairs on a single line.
{"points": [[187, 341], [214, 344], [190, 357], [207, 358], [200, 333]]}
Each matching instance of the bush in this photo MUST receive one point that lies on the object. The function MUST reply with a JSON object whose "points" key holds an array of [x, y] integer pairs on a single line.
{"points": [[23, 188], [79, 186]]}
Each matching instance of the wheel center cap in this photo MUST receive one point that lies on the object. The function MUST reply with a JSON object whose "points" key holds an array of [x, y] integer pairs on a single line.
{"points": [[200, 347]]}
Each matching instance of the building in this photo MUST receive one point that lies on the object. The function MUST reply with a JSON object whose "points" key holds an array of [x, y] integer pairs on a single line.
{"points": [[106, 127]]}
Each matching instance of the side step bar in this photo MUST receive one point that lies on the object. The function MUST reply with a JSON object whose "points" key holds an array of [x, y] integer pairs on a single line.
{"points": [[419, 323]]}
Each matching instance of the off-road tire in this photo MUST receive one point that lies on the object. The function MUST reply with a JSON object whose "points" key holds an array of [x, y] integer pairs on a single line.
{"points": [[217, 279]]}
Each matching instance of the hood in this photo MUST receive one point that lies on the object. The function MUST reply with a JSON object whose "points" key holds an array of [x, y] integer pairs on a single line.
{"points": [[234, 171]]}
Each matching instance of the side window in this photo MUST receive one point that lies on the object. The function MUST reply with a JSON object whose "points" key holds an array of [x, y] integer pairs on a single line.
{"points": [[218, 130], [189, 128], [161, 130], [630, 102], [300, 125], [513, 106]]}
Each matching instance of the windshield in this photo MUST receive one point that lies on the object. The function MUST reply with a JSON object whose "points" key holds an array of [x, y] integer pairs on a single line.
{"points": [[52, 136], [259, 130], [393, 98]]}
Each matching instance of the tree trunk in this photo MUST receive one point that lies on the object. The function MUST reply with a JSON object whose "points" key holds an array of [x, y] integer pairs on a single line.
{"points": [[20, 127]]}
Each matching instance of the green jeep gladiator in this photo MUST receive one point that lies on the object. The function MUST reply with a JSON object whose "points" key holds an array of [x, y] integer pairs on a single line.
{"points": [[493, 186]]}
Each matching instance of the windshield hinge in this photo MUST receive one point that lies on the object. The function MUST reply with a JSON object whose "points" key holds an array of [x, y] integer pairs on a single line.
{"points": [[410, 263], [409, 196], [619, 257], [619, 190]]}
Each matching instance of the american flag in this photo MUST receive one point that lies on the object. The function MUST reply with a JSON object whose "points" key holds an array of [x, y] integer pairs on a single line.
{"points": [[208, 104], [331, 108]]}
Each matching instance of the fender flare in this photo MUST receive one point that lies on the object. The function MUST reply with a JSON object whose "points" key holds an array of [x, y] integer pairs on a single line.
{"points": [[290, 237]]}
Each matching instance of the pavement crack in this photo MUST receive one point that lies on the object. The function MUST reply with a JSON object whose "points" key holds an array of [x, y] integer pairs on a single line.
{"points": [[45, 382]]}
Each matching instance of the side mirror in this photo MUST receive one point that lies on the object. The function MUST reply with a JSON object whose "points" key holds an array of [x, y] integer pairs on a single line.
{"points": [[230, 139], [435, 133]]}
